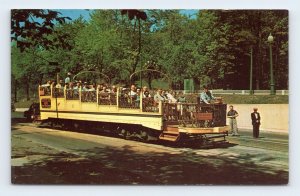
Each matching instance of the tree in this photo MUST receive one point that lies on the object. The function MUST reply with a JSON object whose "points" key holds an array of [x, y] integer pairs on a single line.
{"points": [[25, 70], [212, 47], [250, 28], [30, 28]]}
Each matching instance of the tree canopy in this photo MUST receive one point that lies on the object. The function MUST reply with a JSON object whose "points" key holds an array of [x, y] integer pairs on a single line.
{"points": [[32, 27], [213, 47]]}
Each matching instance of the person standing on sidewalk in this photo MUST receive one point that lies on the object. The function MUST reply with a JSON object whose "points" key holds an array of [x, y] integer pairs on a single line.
{"points": [[232, 114], [255, 117]]}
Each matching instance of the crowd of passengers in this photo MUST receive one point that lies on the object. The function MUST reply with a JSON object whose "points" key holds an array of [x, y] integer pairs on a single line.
{"points": [[127, 95]]}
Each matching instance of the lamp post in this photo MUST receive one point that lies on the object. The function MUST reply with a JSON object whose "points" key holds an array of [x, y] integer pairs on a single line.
{"points": [[272, 85], [251, 70]]}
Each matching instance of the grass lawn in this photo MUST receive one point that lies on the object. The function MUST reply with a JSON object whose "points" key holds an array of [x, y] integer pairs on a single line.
{"points": [[255, 99], [17, 114], [247, 99], [24, 104]]}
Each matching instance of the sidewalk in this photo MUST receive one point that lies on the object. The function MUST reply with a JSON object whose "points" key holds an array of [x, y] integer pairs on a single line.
{"points": [[21, 109], [274, 131], [265, 134]]}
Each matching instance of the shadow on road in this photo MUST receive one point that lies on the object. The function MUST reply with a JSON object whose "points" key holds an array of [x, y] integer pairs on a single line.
{"points": [[19, 120], [191, 145], [126, 166]]}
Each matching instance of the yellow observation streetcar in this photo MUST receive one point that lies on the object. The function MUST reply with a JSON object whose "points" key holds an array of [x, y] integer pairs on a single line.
{"points": [[144, 119]]}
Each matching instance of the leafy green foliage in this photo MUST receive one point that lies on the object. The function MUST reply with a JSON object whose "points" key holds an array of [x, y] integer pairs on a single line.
{"points": [[213, 48], [30, 28]]}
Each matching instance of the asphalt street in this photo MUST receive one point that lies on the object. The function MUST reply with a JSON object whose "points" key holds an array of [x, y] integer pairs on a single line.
{"points": [[41, 155]]}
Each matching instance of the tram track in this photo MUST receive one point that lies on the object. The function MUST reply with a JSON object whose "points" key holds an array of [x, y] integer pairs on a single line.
{"points": [[238, 148], [274, 144]]}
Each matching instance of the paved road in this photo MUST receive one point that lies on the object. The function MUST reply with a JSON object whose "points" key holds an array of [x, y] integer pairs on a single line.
{"points": [[53, 156], [266, 140]]}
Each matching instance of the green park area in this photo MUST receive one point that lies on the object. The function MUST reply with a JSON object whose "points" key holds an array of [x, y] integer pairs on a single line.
{"points": [[255, 99], [246, 99]]}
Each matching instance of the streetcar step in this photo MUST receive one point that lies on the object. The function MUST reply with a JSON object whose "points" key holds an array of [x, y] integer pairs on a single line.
{"points": [[169, 136]]}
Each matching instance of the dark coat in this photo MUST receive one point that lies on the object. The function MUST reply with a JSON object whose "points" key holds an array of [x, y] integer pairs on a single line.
{"points": [[254, 119]]}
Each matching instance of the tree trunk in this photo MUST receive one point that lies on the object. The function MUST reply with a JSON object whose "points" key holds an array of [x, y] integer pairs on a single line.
{"points": [[16, 91], [27, 88], [27, 91], [258, 49], [41, 79], [137, 59]]}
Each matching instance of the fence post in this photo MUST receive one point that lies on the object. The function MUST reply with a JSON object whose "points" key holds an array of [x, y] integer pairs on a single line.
{"points": [[97, 96], [160, 108]]}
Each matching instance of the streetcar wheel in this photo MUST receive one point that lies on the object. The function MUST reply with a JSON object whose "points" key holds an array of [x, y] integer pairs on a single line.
{"points": [[124, 134], [64, 125], [144, 135], [76, 125], [51, 124]]}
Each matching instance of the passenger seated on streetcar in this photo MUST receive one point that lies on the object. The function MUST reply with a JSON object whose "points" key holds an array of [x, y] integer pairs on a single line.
{"points": [[53, 83], [206, 96], [85, 87], [59, 84], [163, 93], [69, 90], [132, 91], [181, 97], [58, 88], [76, 90], [76, 87], [47, 84], [101, 86], [92, 88], [158, 96], [124, 92], [145, 92], [46, 87], [92, 96], [104, 89], [132, 94], [113, 89], [170, 98], [71, 86]]}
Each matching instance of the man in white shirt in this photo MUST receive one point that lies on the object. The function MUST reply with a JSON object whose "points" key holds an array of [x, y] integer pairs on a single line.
{"points": [[158, 96], [68, 78]]}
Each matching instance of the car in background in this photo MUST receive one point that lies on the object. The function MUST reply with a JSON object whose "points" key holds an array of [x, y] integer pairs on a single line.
{"points": [[33, 113]]}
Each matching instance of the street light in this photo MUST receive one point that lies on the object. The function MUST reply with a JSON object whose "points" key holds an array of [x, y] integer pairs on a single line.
{"points": [[272, 85]]}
